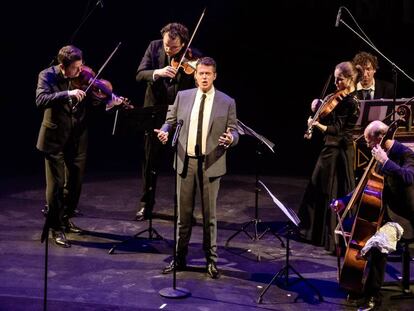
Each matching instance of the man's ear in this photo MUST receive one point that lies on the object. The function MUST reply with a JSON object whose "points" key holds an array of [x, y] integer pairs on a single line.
{"points": [[62, 68]]}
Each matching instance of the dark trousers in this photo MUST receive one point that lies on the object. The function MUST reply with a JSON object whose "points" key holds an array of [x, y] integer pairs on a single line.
{"points": [[153, 152], [64, 174], [194, 178], [377, 264]]}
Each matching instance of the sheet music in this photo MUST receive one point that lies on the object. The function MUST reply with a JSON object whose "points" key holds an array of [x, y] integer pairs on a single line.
{"points": [[245, 130], [384, 100], [286, 210], [378, 109]]}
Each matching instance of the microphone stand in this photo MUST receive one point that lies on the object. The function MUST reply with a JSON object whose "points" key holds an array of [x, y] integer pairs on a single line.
{"points": [[369, 43], [174, 291], [45, 238], [83, 21]]}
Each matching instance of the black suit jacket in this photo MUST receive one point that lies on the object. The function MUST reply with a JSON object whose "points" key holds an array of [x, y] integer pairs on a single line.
{"points": [[59, 121], [163, 90], [383, 89]]}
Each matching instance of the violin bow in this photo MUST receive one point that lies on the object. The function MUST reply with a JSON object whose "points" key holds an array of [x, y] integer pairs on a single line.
{"points": [[191, 39], [99, 72]]}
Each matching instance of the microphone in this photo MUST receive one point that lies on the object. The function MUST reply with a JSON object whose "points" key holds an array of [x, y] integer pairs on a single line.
{"points": [[338, 17], [177, 132]]}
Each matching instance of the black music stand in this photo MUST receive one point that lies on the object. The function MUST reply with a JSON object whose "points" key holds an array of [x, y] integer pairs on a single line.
{"points": [[261, 140], [291, 229], [143, 119]]}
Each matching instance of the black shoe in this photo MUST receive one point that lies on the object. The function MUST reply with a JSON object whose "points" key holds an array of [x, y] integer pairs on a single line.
{"points": [[371, 303], [60, 239], [355, 299], [140, 215], [212, 270], [77, 213], [70, 227], [181, 266], [45, 210]]}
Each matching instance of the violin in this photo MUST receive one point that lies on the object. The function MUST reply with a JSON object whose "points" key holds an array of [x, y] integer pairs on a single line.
{"points": [[100, 89], [326, 107], [188, 63]]}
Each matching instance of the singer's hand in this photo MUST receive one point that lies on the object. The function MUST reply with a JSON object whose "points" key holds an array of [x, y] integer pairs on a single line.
{"points": [[166, 72], [77, 94], [226, 138], [162, 136]]}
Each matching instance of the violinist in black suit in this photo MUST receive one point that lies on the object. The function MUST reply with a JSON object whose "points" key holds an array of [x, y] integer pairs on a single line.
{"points": [[163, 82], [63, 138]]}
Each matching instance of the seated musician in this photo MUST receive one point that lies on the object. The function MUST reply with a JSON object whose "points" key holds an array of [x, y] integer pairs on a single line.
{"points": [[396, 163]]}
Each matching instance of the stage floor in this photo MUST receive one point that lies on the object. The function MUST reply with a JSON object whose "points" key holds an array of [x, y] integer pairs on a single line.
{"points": [[86, 277]]}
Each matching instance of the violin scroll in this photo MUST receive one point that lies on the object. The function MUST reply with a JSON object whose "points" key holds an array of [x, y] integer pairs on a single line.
{"points": [[403, 112]]}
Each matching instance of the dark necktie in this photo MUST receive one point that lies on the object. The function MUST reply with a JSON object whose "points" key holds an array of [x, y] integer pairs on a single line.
{"points": [[198, 146], [70, 88], [366, 94]]}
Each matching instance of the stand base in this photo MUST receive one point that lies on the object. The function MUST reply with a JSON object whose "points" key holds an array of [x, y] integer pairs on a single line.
{"points": [[405, 292], [284, 273], [404, 295], [178, 292], [152, 235], [256, 235]]}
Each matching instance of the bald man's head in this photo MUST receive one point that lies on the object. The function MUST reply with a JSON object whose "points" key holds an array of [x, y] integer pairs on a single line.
{"points": [[374, 132]]}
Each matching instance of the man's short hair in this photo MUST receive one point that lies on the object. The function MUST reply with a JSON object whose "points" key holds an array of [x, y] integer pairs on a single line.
{"points": [[69, 54]]}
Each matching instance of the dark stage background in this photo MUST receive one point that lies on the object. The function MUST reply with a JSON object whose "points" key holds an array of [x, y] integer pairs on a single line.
{"points": [[273, 58]]}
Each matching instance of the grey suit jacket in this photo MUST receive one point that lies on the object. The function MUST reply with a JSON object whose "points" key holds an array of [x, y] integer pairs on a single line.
{"points": [[223, 116]]}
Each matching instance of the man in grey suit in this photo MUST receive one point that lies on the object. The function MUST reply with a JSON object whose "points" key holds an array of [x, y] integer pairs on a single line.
{"points": [[209, 127]]}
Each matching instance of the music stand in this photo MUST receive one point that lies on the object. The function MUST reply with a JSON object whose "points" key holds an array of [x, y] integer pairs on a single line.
{"points": [[144, 119], [291, 227], [261, 140]]}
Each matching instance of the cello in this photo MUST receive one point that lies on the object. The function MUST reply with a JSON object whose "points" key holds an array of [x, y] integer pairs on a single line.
{"points": [[367, 197]]}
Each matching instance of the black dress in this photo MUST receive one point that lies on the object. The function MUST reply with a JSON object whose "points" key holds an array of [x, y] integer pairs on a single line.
{"points": [[333, 175]]}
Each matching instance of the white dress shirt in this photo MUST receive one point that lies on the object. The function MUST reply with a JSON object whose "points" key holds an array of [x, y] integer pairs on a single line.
{"points": [[371, 88], [192, 131]]}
